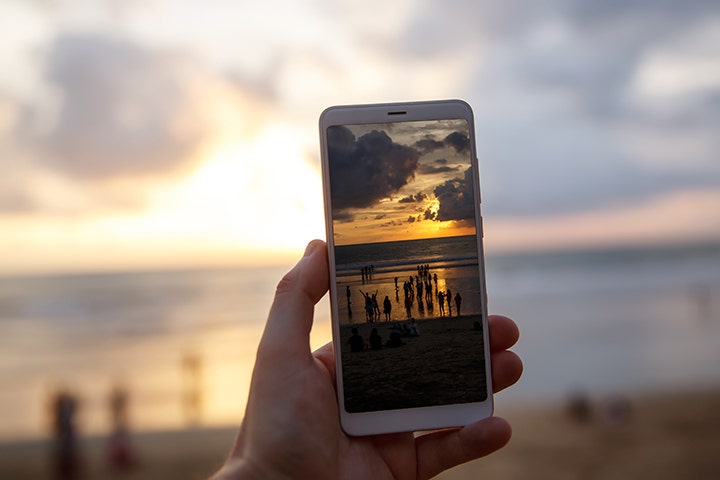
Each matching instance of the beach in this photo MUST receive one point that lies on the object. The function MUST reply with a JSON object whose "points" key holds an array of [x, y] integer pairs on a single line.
{"points": [[642, 324], [443, 365], [666, 436]]}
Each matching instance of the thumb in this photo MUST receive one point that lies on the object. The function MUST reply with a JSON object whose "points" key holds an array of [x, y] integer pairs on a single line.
{"points": [[287, 331]]}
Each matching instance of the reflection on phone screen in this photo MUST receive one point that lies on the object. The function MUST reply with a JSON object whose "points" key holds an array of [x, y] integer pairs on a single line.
{"points": [[408, 273]]}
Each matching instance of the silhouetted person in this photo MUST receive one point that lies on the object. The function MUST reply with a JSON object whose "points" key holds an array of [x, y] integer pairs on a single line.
{"points": [[448, 298], [458, 302], [441, 303], [67, 464], [120, 455], [357, 344], [387, 308], [376, 307], [414, 330], [369, 309], [395, 337], [578, 407], [375, 340]]}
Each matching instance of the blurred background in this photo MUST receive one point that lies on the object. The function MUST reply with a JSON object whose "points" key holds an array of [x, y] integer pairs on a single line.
{"points": [[160, 172]]}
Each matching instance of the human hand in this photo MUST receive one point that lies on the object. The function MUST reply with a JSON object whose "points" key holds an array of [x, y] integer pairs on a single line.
{"points": [[291, 428]]}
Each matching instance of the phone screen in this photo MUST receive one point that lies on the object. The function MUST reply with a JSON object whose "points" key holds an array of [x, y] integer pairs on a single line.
{"points": [[409, 293]]}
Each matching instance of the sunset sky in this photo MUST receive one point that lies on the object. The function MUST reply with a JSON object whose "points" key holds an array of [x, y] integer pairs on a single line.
{"points": [[165, 134], [401, 181]]}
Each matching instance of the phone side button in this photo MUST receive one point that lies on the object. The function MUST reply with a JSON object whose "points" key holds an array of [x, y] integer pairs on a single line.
{"points": [[482, 227]]}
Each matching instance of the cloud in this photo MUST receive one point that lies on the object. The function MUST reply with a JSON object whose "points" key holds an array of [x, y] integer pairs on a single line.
{"points": [[429, 214], [591, 105], [124, 111], [428, 145], [456, 199], [459, 141], [419, 197], [368, 169], [431, 169]]}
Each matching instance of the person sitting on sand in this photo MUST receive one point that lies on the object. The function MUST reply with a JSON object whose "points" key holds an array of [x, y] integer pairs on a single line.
{"points": [[375, 340], [292, 405], [414, 330], [395, 338], [357, 344]]}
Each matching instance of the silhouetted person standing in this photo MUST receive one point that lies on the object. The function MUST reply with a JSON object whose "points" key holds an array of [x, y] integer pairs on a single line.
{"points": [[66, 451], [119, 451], [387, 308], [458, 302]]}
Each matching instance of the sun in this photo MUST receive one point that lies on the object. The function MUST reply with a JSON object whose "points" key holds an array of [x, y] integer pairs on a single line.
{"points": [[260, 193]]}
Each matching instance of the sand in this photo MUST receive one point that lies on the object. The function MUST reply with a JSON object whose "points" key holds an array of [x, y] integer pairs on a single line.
{"points": [[444, 365], [667, 436]]}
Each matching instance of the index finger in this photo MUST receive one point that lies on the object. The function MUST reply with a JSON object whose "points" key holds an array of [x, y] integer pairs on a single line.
{"points": [[504, 333]]}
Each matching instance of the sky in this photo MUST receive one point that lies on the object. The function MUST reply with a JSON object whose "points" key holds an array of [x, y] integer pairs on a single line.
{"points": [[401, 181], [165, 134]]}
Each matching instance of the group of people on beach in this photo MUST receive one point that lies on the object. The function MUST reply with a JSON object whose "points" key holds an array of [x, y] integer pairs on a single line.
{"points": [[366, 273], [422, 287], [414, 287], [397, 333]]}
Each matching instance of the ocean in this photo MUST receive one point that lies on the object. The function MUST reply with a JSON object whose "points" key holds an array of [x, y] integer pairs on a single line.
{"points": [[602, 322], [397, 256]]}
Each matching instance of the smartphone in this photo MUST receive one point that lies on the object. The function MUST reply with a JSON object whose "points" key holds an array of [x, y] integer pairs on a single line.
{"points": [[407, 282]]}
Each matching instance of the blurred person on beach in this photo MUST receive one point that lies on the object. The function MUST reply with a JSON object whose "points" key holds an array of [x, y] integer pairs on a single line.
{"points": [[120, 455], [291, 427], [66, 451]]}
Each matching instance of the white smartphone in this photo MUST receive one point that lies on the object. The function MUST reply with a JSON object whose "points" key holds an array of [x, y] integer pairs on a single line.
{"points": [[407, 283]]}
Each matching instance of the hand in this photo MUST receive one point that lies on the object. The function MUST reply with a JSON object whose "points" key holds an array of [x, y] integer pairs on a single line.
{"points": [[291, 428]]}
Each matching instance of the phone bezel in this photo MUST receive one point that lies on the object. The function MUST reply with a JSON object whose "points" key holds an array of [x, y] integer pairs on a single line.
{"points": [[410, 419]]}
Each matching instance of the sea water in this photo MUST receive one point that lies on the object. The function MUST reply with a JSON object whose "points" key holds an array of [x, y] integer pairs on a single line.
{"points": [[604, 322]]}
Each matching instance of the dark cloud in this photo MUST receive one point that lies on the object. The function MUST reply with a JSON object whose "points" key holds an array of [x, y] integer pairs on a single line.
{"points": [[459, 141], [411, 219], [456, 199], [124, 110], [428, 145], [366, 170], [419, 197], [429, 215], [441, 161], [343, 217], [431, 169]]}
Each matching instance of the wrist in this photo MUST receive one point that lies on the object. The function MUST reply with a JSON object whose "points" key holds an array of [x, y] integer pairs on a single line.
{"points": [[237, 469], [241, 469]]}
